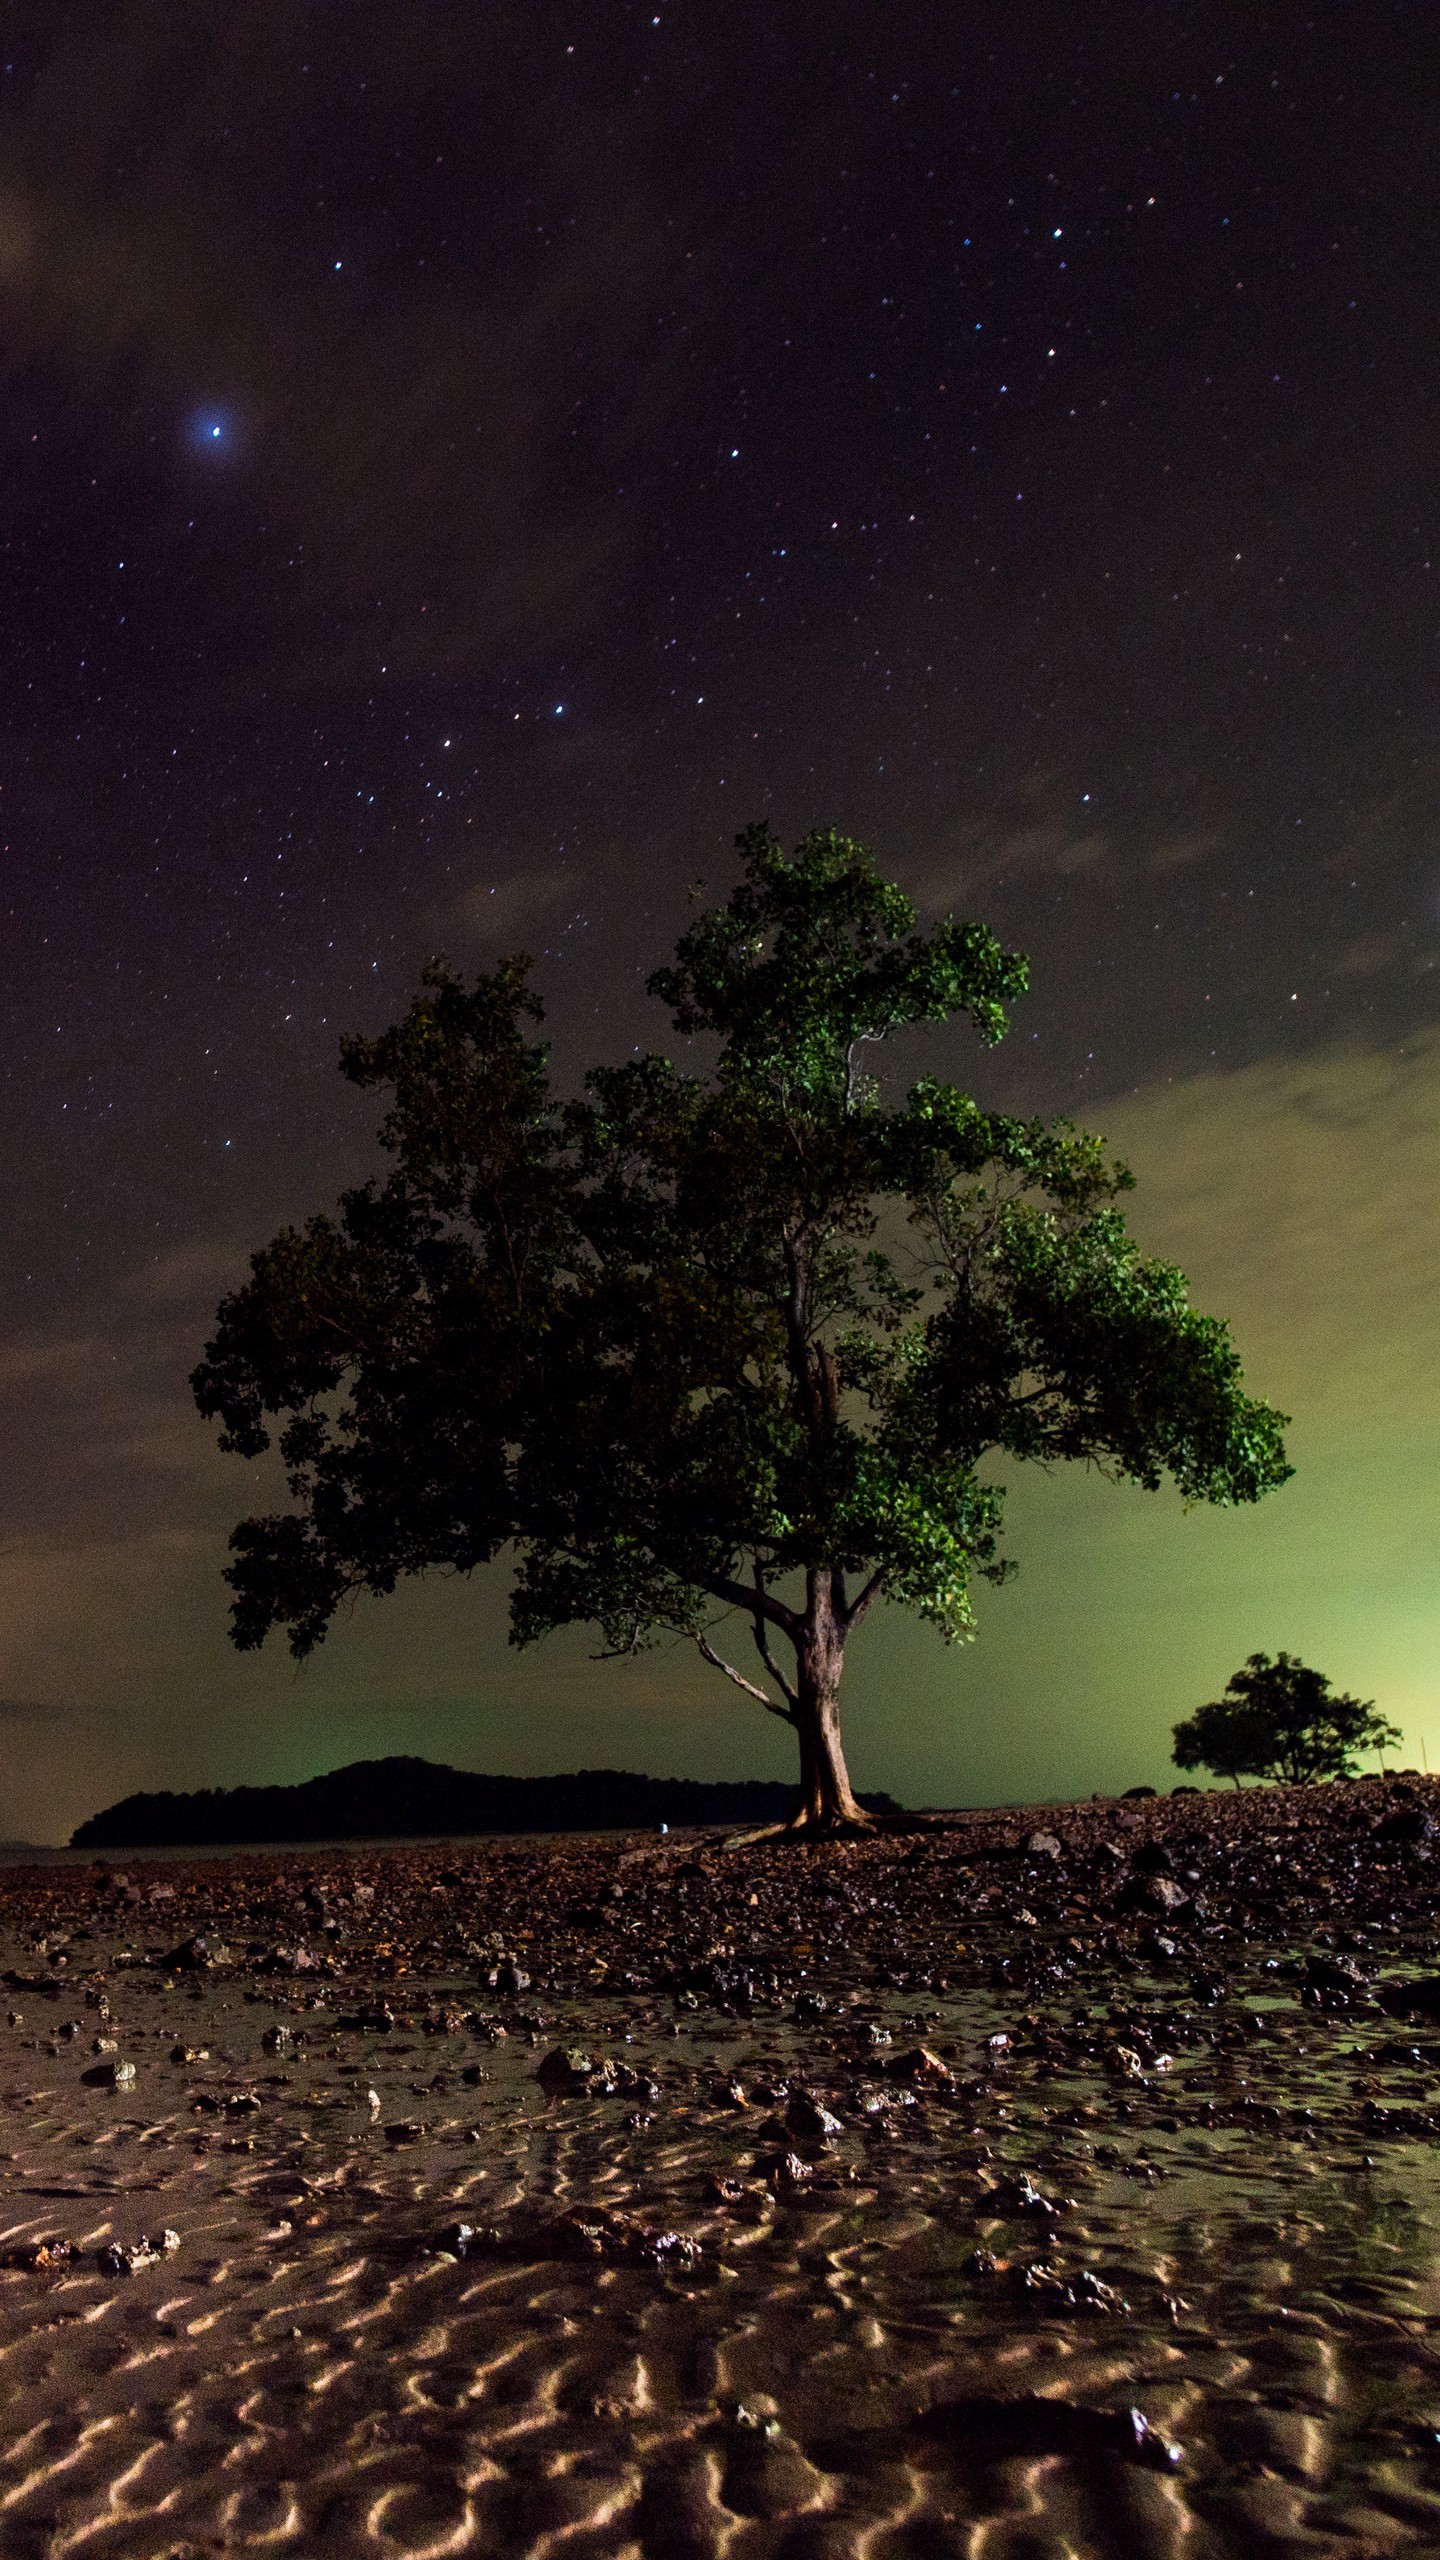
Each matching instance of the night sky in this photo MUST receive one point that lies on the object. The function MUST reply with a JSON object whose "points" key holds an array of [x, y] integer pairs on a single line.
{"points": [[459, 465]]}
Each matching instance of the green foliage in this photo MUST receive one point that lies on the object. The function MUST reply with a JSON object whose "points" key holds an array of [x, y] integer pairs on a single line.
{"points": [[1279, 1720], [693, 1338]]}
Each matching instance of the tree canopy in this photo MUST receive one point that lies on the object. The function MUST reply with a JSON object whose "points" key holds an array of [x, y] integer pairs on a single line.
{"points": [[1279, 1720], [694, 1342]]}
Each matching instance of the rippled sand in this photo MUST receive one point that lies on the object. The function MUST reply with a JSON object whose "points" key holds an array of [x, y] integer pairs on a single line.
{"points": [[876, 2342]]}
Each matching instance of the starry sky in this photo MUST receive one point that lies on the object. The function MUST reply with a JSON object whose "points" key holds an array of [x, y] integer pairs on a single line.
{"points": [[459, 465]]}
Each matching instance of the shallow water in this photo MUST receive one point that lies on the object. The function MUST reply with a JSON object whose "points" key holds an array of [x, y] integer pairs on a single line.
{"points": [[1234, 2230]]}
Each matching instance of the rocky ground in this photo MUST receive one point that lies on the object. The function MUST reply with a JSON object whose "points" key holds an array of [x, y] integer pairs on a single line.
{"points": [[1009, 2184]]}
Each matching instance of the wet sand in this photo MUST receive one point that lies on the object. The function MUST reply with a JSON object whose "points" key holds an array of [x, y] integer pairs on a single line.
{"points": [[668, 2198]]}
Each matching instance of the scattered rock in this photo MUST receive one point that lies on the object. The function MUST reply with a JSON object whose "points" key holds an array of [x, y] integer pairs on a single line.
{"points": [[300, 1959], [1019, 2198], [1083, 2292], [1332, 1981], [508, 1979], [810, 2120], [109, 2075], [1152, 1858], [1409, 1826], [198, 1955], [1417, 1998], [1152, 1893], [922, 2068], [118, 2260], [612, 2237], [789, 2171], [226, 2102], [567, 2070], [455, 2241], [44, 2257], [1036, 2425]]}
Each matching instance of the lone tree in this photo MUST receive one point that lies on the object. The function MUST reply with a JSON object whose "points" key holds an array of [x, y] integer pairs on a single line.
{"points": [[735, 1341], [1278, 1720]]}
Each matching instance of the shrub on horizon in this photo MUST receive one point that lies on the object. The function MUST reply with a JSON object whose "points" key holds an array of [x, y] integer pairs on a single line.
{"points": [[1279, 1720]]}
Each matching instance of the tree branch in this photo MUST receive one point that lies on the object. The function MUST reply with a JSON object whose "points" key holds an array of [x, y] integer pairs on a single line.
{"points": [[863, 1600], [749, 1686], [754, 1603], [762, 1646]]}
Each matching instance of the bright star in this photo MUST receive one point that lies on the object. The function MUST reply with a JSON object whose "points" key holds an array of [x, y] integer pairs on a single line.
{"points": [[211, 431]]}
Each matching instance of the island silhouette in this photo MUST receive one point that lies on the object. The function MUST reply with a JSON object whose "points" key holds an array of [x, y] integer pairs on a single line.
{"points": [[406, 1797]]}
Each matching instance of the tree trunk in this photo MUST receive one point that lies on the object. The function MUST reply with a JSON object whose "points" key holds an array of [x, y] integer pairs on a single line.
{"points": [[827, 1800]]}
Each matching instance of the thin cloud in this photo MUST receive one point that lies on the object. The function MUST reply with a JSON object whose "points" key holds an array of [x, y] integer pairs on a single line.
{"points": [[42, 1712], [501, 907]]}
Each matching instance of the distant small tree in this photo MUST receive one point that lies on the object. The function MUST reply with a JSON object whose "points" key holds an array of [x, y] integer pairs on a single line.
{"points": [[1279, 1720]]}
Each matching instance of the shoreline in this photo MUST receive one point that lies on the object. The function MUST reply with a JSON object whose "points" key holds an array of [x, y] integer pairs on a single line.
{"points": [[20, 1853]]}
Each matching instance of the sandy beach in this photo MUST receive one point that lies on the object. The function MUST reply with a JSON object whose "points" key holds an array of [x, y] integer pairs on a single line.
{"points": [[666, 2197]]}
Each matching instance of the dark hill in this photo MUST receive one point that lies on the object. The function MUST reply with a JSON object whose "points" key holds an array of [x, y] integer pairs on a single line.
{"points": [[408, 1798]]}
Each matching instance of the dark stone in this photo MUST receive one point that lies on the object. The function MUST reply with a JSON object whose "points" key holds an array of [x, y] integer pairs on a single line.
{"points": [[1021, 2200], [1038, 2425], [109, 2075], [1152, 1858], [1415, 1999], [567, 2070], [1152, 1893], [922, 2068], [1333, 1973], [454, 2240], [198, 1955], [1408, 1827], [809, 2119], [117, 2260]]}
